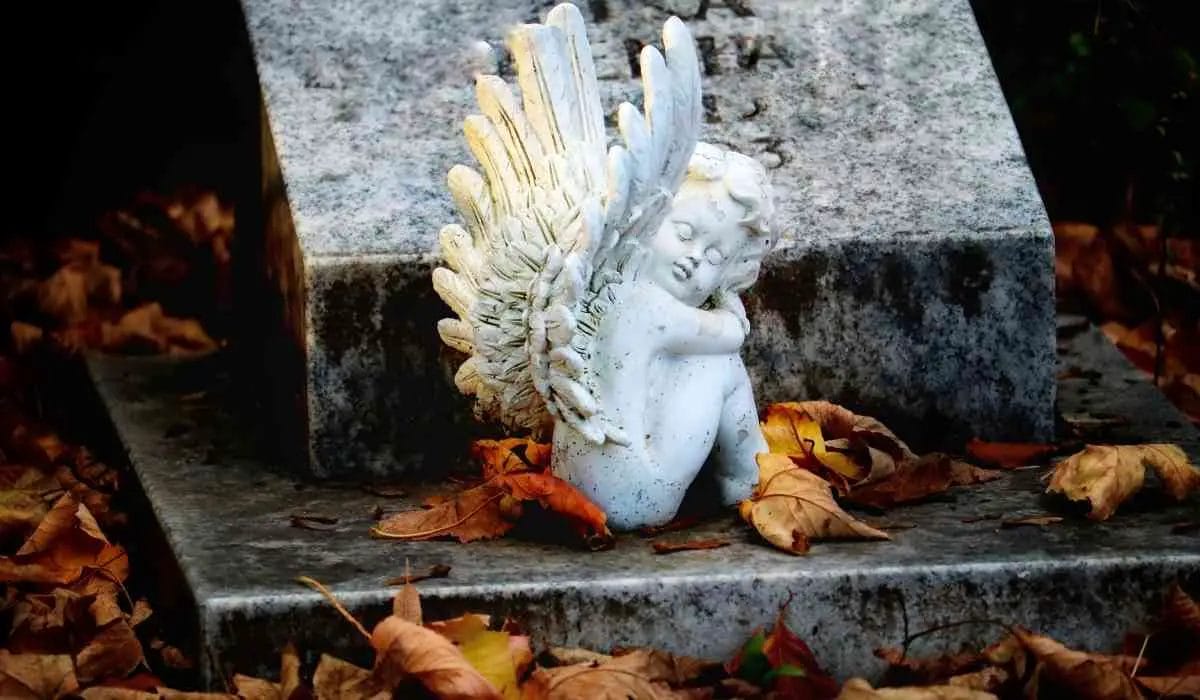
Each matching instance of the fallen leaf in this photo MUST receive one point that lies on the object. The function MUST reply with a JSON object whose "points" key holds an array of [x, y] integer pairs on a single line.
{"points": [[689, 545], [406, 649], [510, 455], [906, 670], [665, 667], [1009, 455], [320, 523], [250, 688], [173, 657], [1172, 686], [36, 676], [25, 336], [289, 671], [791, 506], [435, 571], [1031, 520], [1091, 676], [20, 512], [471, 515], [681, 523], [406, 604], [919, 478], [1107, 475], [65, 543], [859, 689], [141, 612], [43, 622], [562, 498], [1181, 611], [113, 653], [335, 679], [488, 652], [800, 429], [990, 679], [587, 681]]}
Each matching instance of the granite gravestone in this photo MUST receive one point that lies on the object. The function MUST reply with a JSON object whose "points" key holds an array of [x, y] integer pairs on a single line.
{"points": [[914, 278]]}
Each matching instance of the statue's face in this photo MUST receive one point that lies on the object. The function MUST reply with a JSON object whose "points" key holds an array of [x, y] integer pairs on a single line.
{"points": [[696, 243]]}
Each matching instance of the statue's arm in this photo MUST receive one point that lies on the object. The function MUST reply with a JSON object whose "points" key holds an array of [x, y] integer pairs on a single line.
{"points": [[684, 330]]}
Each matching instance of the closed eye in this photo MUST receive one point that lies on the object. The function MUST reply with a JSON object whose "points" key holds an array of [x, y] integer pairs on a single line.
{"points": [[683, 231], [714, 256]]}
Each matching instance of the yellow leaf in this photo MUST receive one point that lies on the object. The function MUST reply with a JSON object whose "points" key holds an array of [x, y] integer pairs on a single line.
{"points": [[792, 506], [1107, 475], [790, 430], [488, 652]]}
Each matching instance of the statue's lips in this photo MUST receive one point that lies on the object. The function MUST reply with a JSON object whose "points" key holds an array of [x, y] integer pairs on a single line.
{"points": [[682, 272]]}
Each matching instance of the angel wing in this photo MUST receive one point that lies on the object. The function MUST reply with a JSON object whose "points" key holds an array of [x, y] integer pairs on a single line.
{"points": [[554, 215]]}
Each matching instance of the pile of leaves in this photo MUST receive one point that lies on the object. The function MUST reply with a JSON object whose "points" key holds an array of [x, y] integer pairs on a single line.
{"points": [[1143, 288], [821, 456], [139, 284]]}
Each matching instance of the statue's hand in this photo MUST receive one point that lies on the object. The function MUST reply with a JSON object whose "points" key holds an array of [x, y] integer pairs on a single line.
{"points": [[726, 301]]}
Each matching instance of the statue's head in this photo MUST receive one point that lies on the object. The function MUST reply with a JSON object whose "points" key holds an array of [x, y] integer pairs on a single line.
{"points": [[718, 230]]}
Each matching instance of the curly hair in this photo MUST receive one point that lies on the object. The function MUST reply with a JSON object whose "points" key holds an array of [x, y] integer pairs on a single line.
{"points": [[747, 182]]}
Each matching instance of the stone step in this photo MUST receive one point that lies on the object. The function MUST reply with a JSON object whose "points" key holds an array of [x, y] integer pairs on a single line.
{"points": [[226, 513], [915, 276]]}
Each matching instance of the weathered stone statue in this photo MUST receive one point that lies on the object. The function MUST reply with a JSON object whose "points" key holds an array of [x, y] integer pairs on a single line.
{"points": [[597, 287]]}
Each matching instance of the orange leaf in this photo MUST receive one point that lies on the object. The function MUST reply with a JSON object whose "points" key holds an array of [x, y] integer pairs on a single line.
{"points": [[1107, 475], [1086, 675], [510, 455], [474, 514], [560, 497], [36, 676], [67, 542], [114, 652], [1009, 455]]}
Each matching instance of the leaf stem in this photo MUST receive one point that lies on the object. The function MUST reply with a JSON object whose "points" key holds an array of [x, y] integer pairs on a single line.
{"points": [[328, 594], [377, 532]]}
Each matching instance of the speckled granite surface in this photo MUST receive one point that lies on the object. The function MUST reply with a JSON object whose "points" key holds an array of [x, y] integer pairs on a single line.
{"points": [[226, 514], [916, 254]]}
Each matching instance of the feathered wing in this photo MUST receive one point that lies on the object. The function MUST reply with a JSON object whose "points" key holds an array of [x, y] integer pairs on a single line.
{"points": [[553, 215]]}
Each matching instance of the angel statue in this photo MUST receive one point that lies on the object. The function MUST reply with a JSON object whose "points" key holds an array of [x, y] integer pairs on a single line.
{"points": [[596, 286]]}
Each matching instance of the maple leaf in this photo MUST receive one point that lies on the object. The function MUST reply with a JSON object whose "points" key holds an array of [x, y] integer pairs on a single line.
{"points": [[1009, 455], [36, 676], [859, 689], [1107, 475], [471, 515], [1090, 676], [792, 506], [1181, 611], [335, 679]]}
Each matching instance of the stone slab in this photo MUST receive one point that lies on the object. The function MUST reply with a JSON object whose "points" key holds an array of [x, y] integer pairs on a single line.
{"points": [[226, 514], [914, 279]]}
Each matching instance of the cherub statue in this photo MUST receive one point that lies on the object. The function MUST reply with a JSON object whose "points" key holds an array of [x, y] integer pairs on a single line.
{"points": [[597, 287]]}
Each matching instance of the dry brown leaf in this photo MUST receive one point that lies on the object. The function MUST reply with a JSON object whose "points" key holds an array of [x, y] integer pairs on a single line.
{"points": [[990, 679], [405, 649], [100, 692], [859, 689], [65, 543], [471, 515], [36, 676], [662, 666], [250, 688], [435, 571], [104, 593], [1172, 686], [113, 653], [792, 506], [406, 604], [689, 545], [289, 671], [459, 629], [173, 657], [141, 612], [43, 622], [906, 670], [25, 336], [1009, 455], [919, 478], [593, 682], [335, 679], [1107, 475], [21, 510], [1180, 610], [1031, 520], [1091, 676]]}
